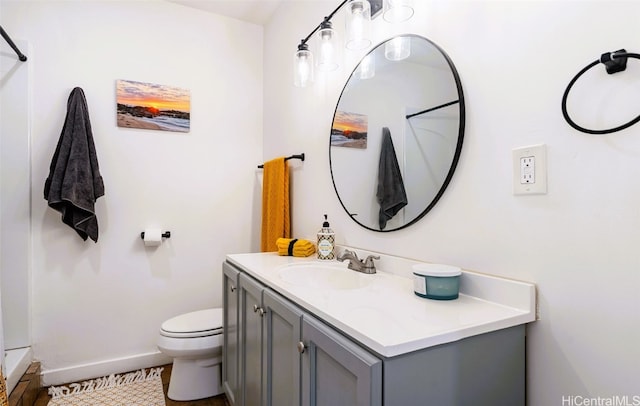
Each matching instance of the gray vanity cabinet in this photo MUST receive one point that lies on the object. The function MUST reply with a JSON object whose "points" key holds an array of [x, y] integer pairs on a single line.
{"points": [[335, 371], [269, 334], [250, 365], [230, 337], [286, 356], [281, 359]]}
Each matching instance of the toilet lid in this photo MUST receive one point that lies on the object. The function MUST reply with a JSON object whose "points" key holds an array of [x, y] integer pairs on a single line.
{"points": [[198, 323]]}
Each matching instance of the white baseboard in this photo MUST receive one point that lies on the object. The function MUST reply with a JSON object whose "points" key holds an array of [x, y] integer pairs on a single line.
{"points": [[85, 372]]}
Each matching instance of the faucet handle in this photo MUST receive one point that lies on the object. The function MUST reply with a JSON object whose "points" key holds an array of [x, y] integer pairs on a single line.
{"points": [[368, 262], [345, 255]]}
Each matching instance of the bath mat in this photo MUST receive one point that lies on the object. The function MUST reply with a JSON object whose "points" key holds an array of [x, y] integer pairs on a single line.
{"points": [[138, 388], [4, 400]]}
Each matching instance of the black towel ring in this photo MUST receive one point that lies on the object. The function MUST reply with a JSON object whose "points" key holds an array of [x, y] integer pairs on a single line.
{"points": [[614, 62]]}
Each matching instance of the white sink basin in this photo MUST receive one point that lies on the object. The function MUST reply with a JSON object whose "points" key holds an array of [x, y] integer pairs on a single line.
{"points": [[323, 276]]}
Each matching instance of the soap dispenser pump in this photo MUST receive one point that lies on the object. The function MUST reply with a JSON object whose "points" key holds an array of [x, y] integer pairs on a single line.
{"points": [[326, 241]]}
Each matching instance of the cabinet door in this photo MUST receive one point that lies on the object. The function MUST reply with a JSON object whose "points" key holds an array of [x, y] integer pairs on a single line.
{"points": [[281, 359], [230, 334], [335, 371], [251, 313]]}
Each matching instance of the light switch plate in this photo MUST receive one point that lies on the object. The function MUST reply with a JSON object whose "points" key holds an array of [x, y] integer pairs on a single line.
{"points": [[530, 170]]}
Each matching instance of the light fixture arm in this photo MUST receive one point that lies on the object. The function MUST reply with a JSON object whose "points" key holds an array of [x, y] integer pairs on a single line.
{"points": [[326, 20]]}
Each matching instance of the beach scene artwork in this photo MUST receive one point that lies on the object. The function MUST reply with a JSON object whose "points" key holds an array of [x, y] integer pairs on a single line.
{"points": [[153, 107], [349, 130]]}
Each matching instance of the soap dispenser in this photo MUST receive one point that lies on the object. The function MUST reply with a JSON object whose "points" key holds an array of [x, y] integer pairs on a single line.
{"points": [[326, 241]]}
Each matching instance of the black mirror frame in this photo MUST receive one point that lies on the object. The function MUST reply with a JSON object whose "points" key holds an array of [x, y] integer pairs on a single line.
{"points": [[456, 157]]}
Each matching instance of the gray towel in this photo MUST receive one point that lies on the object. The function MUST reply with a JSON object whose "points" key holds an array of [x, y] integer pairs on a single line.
{"points": [[391, 194], [74, 183]]}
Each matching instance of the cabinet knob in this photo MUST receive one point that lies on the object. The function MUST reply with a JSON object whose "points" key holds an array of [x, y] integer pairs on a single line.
{"points": [[233, 288], [301, 347], [259, 310]]}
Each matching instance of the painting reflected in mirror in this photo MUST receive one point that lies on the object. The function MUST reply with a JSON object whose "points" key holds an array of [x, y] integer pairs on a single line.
{"points": [[349, 130]]}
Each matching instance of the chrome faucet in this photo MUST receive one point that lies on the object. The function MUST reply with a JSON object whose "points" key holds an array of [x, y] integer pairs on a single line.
{"points": [[366, 266]]}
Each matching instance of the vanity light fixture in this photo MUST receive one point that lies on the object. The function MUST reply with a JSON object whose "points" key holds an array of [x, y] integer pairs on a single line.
{"points": [[367, 67], [398, 48], [303, 66], [303, 58], [357, 25], [397, 11], [327, 40], [358, 19]]}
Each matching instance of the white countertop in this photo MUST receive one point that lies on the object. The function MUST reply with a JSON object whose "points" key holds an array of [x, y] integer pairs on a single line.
{"points": [[386, 316]]}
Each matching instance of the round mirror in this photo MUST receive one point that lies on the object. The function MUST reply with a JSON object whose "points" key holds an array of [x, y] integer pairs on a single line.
{"points": [[397, 133]]}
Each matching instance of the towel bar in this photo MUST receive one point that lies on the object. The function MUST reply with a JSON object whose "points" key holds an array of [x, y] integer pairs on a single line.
{"points": [[300, 157]]}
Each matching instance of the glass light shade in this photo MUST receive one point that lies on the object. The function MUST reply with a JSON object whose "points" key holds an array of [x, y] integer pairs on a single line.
{"points": [[303, 66], [397, 11], [367, 67], [328, 47], [357, 24], [398, 48]]}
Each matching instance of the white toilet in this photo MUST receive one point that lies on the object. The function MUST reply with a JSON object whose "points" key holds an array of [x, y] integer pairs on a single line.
{"points": [[194, 341]]}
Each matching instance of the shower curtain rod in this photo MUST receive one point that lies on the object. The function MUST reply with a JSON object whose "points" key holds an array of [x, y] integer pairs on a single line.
{"points": [[431, 109], [6, 37]]}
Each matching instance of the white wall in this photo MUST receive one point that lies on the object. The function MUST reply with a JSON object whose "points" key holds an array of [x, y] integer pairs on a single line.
{"points": [[578, 243], [96, 304]]}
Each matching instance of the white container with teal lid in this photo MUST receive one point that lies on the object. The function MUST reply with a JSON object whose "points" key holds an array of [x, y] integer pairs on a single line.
{"points": [[436, 281]]}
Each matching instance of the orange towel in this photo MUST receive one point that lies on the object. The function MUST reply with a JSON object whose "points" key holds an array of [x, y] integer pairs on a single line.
{"points": [[301, 248], [276, 221]]}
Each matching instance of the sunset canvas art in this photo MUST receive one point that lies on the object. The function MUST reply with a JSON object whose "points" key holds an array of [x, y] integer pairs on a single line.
{"points": [[349, 130], [152, 107]]}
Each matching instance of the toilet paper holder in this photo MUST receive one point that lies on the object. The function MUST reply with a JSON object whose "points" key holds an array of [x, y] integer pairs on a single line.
{"points": [[166, 234]]}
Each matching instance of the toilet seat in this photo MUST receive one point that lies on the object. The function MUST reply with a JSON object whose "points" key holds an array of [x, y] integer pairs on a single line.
{"points": [[201, 323]]}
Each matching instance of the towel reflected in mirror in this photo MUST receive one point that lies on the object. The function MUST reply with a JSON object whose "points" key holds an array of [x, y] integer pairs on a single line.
{"points": [[391, 194]]}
